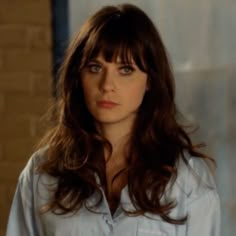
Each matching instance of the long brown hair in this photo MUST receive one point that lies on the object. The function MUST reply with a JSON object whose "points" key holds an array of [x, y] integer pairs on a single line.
{"points": [[75, 149]]}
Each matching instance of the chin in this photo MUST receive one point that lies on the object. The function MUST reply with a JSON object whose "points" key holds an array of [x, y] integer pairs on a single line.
{"points": [[108, 120]]}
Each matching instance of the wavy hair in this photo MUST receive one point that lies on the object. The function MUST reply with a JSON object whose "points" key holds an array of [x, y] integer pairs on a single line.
{"points": [[75, 154]]}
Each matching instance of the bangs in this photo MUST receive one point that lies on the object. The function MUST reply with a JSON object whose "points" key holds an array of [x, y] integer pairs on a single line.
{"points": [[115, 41]]}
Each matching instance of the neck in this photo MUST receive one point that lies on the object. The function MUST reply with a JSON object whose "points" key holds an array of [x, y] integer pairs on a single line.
{"points": [[117, 135], [114, 134]]}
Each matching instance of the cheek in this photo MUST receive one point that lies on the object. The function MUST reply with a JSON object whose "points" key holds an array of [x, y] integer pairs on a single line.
{"points": [[136, 93]]}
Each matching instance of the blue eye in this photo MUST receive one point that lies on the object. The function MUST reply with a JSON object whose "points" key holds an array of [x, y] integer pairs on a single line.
{"points": [[94, 68], [126, 70]]}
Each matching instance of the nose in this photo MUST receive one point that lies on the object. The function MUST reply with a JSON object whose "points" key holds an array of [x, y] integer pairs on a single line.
{"points": [[107, 82]]}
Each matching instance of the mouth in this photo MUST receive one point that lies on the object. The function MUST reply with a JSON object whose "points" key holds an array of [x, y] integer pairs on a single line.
{"points": [[106, 104]]}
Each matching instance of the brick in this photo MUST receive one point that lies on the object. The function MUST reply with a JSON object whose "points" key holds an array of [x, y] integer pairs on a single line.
{"points": [[6, 192], [3, 194], [10, 190], [14, 126], [40, 37], [1, 102], [1, 59], [25, 85], [2, 229], [25, 12], [27, 60], [25, 36], [10, 171], [13, 36], [42, 83], [3, 212], [18, 149], [1, 153], [15, 81], [17, 104]]}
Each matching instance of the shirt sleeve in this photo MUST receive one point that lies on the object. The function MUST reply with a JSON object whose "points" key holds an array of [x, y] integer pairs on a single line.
{"points": [[21, 218], [204, 215]]}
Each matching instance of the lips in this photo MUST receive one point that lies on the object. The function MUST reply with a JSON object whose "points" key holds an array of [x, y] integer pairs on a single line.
{"points": [[106, 104]]}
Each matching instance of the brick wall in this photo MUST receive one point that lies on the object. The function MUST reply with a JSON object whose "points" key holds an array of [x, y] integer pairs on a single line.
{"points": [[25, 81]]}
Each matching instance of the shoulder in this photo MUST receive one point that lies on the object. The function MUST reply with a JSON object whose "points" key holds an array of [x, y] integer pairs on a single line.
{"points": [[34, 185], [30, 170], [195, 177]]}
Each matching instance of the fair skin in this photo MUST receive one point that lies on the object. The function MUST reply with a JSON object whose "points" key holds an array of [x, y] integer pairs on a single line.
{"points": [[124, 85], [113, 93]]}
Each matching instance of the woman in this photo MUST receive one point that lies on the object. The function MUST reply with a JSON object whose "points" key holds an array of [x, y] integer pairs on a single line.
{"points": [[117, 161]]}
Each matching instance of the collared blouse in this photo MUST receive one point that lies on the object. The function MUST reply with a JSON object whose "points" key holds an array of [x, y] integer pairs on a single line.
{"points": [[194, 192]]}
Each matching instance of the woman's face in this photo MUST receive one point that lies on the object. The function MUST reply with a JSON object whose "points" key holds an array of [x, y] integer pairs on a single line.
{"points": [[113, 91]]}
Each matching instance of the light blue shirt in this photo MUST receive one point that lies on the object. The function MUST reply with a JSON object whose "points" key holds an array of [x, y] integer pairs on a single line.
{"points": [[194, 191]]}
